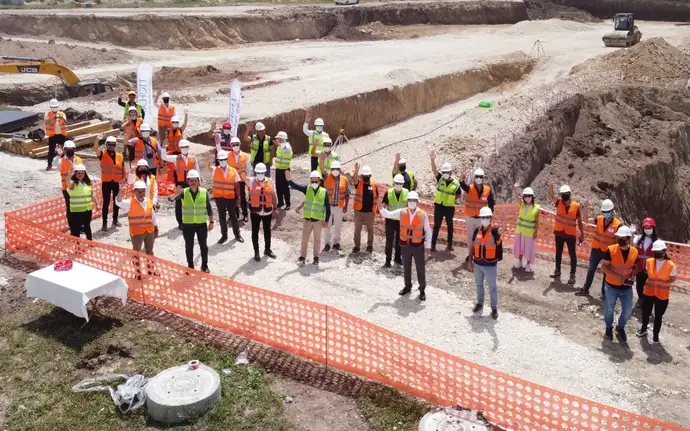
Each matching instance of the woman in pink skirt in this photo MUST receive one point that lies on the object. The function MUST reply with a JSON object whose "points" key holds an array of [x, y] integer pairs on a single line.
{"points": [[526, 229]]}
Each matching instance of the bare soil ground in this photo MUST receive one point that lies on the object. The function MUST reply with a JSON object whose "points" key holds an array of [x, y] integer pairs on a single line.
{"points": [[72, 56]]}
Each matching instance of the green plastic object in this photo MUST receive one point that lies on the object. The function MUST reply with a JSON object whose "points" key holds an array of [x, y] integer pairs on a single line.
{"points": [[486, 104]]}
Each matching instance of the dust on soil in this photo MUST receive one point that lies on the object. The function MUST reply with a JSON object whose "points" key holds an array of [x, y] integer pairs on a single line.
{"points": [[545, 9], [72, 56]]}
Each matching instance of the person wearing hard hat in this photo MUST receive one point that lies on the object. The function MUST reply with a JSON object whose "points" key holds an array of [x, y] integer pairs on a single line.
{"points": [[662, 274], [239, 160], [282, 162], [393, 200], [142, 173], [527, 228], [112, 173], [65, 165], [316, 213], [315, 138], [619, 268], [327, 156], [166, 111], [338, 190], [183, 164], [414, 239], [130, 103], [132, 125], [366, 206], [55, 125], [643, 243], [81, 202], [259, 144], [478, 195], [146, 147], [447, 191], [262, 199], [400, 168], [222, 138], [143, 224], [196, 212], [486, 253], [568, 219], [226, 192], [174, 134], [604, 236]]}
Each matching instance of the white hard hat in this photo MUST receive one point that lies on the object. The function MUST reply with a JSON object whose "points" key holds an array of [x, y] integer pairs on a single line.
{"points": [[366, 170], [484, 212], [318, 122], [139, 185], [111, 140], [315, 174], [80, 167], [166, 94], [175, 119], [53, 103], [446, 167], [259, 126], [606, 205], [327, 140], [564, 189], [142, 162], [624, 231], [132, 108], [658, 245], [145, 128], [184, 143], [282, 135], [412, 195], [528, 191], [222, 155], [193, 174], [335, 165], [479, 172], [69, 144], [399, 179], [260, 168], [235, 140], [402, 162]]}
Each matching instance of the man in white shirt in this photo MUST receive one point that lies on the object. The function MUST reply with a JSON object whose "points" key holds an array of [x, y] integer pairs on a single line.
{"points": [[415, 241], [143, 225]]}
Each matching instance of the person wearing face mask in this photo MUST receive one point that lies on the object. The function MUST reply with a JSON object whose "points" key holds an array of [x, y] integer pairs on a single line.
{"points": [[143, 225], [619, 268], [112, 173], [174, 134], [239, 160], [132, 125], [661, 273], [81, 202], [222, 138], [568, 218], [400, 168], [196, 212], [146, 147], [226, 192], [316, 212], [282, 162], [166, 111], [262, 198], [55, 125], [365, 205], [447, 191], [393, 200], [130, 103], [315, 138], [414, 239], [604, 236], [259, 144], [143, 174], [527, 228], [65, 164], [327, 157], [338, 190], [487, 252], [183, 163], [477, 196], [643, 243]]}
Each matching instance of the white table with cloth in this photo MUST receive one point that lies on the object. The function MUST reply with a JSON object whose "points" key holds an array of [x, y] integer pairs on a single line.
{"points": [[73, 289]]}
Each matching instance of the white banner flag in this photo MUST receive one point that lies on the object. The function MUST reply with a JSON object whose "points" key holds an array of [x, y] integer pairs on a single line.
{"points": [[145, 91], [235, 105]]}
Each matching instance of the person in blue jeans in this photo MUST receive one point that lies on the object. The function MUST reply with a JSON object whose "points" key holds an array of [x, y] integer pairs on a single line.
{"points": [[619, 267], [487, 252]]}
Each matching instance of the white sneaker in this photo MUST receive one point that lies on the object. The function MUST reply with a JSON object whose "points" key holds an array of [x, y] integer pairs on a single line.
{"points": [[528, 268], [518, 265]]}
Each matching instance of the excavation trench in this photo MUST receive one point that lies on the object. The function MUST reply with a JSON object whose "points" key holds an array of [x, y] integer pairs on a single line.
{"points": [[653, 10], [628, 144]]}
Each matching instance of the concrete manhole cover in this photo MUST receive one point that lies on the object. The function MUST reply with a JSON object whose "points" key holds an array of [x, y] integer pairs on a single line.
{"points": [[452, 419]]}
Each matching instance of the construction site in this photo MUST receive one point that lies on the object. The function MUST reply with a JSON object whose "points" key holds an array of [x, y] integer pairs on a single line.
{"points": [[526, 90]]}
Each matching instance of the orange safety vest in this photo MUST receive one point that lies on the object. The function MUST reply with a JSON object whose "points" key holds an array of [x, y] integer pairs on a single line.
{"points": [[111, 171], [620, 267], [485, 245], [658, 283], [566, 222], [54, 118], [224, 185], [165, 115], [140, 150], [174, 136], [359, 196], [182, 167], [604, 238], [240, 165], [140, 219], [342, 189], [412, 230], [132, 129], [65, 167], [474, 202], [152, 179], [261, 196]]}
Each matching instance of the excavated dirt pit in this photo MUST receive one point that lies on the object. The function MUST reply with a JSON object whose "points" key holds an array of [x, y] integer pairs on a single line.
{"points": [[72, 56]]}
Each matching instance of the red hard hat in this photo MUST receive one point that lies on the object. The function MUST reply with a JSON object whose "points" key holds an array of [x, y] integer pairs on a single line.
{"points": [[227, 125], [648, 222]]}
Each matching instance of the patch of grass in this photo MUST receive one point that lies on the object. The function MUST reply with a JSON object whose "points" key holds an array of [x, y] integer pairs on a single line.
{"points": [[44, 352], [388, 409]]}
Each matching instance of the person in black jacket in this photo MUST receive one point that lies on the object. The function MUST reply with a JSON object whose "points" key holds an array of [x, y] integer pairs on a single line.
{"points": [[487, 252]]}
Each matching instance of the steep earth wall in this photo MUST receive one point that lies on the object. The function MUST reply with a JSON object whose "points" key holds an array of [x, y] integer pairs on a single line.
{"points": [[656, 10]]}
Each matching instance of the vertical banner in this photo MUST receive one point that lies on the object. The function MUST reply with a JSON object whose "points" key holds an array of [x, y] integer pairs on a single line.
{"points": [[145, 91], [235, 105]]}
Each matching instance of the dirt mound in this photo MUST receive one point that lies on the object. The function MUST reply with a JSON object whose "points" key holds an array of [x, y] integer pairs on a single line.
{"points": [[74, 116], [69, 55], [545, 9], [346, 32]]}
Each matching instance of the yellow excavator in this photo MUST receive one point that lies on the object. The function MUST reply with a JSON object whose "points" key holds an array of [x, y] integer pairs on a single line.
{"points": [[625, 32], [48, 66]]}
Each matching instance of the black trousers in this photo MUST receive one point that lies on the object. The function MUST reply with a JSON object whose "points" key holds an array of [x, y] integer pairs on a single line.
{"points": [[257, 220], [53, 142], [282, 187], [570, 242], [81, 221], [69, 214], [201, 232], [416, 253], [178, 205], [442, 212], [227, 207], [640, 281], [243, 201], [392, 237], [314, 163], [659, 306], [111, 187]]}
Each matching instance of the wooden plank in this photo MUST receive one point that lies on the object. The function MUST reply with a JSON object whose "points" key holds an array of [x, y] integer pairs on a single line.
{"points": [[84, 155], [101, 126], [81, 141], [71, 127]]}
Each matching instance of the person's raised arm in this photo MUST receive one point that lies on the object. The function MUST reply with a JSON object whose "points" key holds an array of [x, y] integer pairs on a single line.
{"points": [[432, 159], [186, 118], [396, 163], [355, 174], [305, 127], [517, 193], [552, 193], [247, 131], [96, 146], [212, 131]]}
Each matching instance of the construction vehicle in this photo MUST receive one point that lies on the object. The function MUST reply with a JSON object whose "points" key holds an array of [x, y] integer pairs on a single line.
{"points": [[48, 66], [625, 32]]}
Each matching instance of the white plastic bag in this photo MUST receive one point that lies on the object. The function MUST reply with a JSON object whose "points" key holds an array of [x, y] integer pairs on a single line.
{"points": [[128, 397]]}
